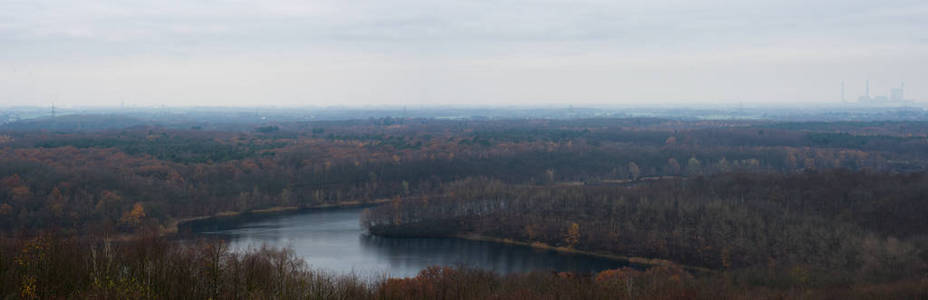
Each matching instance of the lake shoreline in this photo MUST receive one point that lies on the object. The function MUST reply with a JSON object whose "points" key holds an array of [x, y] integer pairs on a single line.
{"points": [[191, 222], [430, 231], [175, 227], [631, 260]]}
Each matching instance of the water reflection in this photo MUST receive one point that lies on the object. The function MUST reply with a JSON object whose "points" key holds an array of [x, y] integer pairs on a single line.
{"points": [[333, 240]]}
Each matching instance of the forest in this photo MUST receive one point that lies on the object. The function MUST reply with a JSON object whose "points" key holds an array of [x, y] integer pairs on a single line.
{"points": [[738, 208]]}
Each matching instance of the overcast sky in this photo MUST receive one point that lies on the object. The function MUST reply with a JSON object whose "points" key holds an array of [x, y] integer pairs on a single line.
{"points": [[495, 52]]}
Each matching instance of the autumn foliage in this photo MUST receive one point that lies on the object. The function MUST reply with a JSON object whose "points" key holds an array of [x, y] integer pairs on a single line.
{"points": [[773, 205]]}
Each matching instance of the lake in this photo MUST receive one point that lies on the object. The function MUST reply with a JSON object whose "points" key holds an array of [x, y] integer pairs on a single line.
{"points": [[333, 240]]}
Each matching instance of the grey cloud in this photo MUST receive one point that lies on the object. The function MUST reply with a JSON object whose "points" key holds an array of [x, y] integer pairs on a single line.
{"points": [[437, 39]]}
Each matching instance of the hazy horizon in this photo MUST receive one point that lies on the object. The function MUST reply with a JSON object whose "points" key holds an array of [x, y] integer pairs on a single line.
{"points": [[474, 53]]}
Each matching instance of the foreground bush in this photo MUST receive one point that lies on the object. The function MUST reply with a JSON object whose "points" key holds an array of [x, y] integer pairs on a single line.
{"points": [[49, 267], [152, 267]]}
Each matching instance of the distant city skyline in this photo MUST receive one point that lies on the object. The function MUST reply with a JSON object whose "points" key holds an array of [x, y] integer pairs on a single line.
{"points": [[418, 52]]}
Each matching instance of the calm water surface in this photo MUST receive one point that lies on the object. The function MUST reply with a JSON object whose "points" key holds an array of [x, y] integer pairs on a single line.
{"points": [[332, 240]]}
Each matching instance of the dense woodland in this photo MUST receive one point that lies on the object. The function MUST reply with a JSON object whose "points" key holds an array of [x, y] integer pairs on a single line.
{"points": [[772, 205], [845, 225], [123, 179]]}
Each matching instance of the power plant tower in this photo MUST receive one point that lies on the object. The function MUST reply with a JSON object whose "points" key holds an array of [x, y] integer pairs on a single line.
{"points": [[866, 97], [868, 88], [902, 91]]}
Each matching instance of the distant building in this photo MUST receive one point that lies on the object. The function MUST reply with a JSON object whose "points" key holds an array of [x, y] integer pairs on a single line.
{"points": [[895, 95]]}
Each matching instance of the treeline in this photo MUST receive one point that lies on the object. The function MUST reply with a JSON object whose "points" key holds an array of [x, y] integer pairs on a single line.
{"points": [[145, 177], [841, 225], [50, 267]]}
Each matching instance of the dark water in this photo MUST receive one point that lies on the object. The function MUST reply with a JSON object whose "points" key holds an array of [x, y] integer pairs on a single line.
{"points": [[332, 240]]}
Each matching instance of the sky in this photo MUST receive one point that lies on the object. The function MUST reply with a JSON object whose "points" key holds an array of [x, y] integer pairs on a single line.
{"points": [[470, 52]]}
